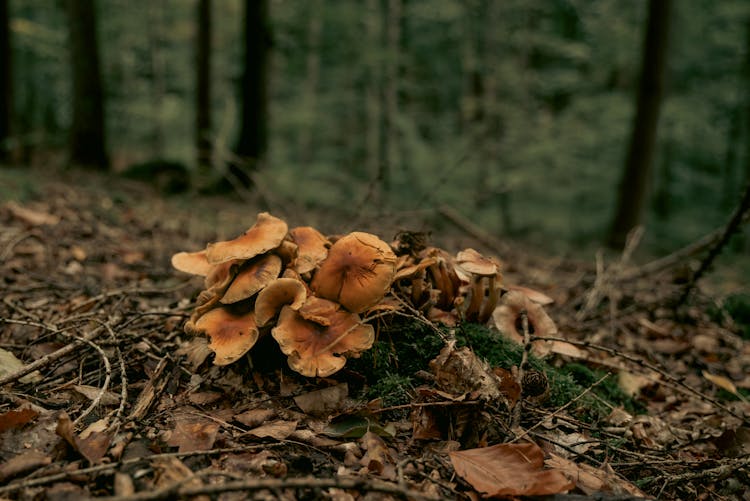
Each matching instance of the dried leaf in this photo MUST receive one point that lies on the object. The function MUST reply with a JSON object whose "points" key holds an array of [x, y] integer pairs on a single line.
{"points": [[205, 397], [255, 417], [350, 426], [92, 393], [93, 447], [323, 402], [378, 458], [16, 419], [9, 364], [509, 470], [30, 216], [193, 433], [279, 429], [722, 382], [22, 463]]}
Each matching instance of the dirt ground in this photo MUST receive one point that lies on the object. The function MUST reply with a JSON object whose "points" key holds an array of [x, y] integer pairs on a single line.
{"points": [[116, 406]]}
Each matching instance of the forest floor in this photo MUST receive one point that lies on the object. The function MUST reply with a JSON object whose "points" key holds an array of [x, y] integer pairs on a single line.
{"points": [[645, 399]]}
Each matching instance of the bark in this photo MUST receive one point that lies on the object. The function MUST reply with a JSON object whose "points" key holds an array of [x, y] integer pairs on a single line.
{"points": [[87, 135], [6, 86], [203, 86], [310, 86], [633, 189], [252, 143]]}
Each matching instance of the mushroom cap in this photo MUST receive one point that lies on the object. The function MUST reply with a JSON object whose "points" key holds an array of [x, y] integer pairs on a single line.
{"points": [[471, 261], [506, 319], [231, 335], [266, 234], [357, 273], [195, 263], [278, 293], [312, 248], [533, 294], [318, 350], [318, 310], [254, 276], [411, 270], [287, 251]]}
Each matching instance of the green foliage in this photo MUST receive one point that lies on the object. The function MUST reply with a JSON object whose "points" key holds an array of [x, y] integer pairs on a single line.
{"points": [[515, 112], [737, 306]]}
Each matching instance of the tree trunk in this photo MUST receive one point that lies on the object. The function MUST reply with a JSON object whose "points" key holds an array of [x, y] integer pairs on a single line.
{"points": [[633, 189], [312, 77], [390, 95], [157, 62], [203, 86], [87, 137], [252, 143], [372, 102], [6, 82]]}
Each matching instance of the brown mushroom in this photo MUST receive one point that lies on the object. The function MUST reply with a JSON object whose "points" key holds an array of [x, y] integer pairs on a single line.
{"points": [[280, 292], [231, 335], [313, 248], [416, 272], [472, 262], [319, 350], [253, 277], [266, 234], [318, 310], [194, 263], [507, 319], [357, 273], [533, 294]]}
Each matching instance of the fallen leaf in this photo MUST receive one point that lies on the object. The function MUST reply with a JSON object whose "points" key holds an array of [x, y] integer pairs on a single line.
{"points": [[255, 417], [350, 426], [632, 384], [30, 216], [205, 397], [22, 463], [592, 480], [509, 470], [16, 419], [92, 393], [171, 471], [722, 382], [323, 402], [193, 433], [279, 430], [92, 448], [378, 458], [9, 364]]}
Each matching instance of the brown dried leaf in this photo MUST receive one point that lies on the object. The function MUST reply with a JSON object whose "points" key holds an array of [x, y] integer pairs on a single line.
{"points": [[378, 458], [722, 382], [93, 447], [323, 402], [592, 480], [31, 217], [22, 463], [92, 392], [509, 470], [193, 433], [255, 417], [16, 419], [280, 430]]}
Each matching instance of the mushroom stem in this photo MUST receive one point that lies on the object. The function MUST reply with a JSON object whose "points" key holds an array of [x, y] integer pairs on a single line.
{"points": [[477, 294], [485, 313], [417, 288]]}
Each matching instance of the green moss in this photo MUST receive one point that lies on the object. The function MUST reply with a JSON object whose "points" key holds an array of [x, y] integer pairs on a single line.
{"points": [[393, 389]]}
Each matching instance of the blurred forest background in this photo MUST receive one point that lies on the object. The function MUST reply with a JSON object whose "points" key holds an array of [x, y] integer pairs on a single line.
{"points": [[524, 116]]}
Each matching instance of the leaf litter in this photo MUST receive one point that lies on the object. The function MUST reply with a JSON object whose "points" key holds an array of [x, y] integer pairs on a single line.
{"points": [[124, 405]]}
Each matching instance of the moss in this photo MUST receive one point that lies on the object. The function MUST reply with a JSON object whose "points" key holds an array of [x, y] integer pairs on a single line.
{"points": [[393, 389]]}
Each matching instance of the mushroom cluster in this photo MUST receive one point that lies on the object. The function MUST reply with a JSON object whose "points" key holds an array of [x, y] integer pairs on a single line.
{"points": [[309, 291], [305, 289]]}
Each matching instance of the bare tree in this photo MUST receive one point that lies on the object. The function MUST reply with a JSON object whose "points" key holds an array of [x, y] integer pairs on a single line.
{"points": [[203, 85], [6, 82], [633, 189], [252, 142], [87, 136]]}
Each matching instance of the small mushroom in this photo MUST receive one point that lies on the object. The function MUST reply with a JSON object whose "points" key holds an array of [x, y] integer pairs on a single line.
{"points": [[253, 277], [313, 248], [533, 294], [266, 234], [231, 335], [507, 319], [319, 350], [280, 292], [471, 261], [357, 273]]}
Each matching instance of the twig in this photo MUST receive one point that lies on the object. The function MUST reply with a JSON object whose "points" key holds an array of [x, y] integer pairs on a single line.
{"points": [[516, 418], [472, 229], [179, 490], [732, 226], [48, 359], [718, 472], [107, 377], [676, 382]]}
